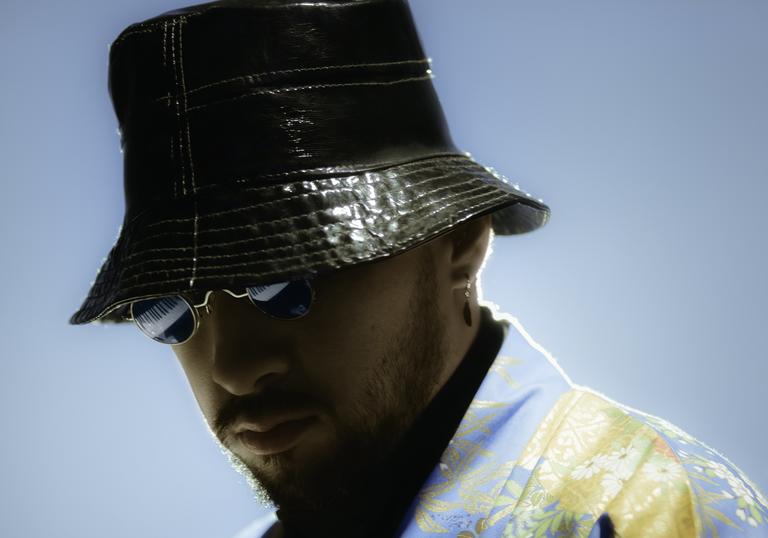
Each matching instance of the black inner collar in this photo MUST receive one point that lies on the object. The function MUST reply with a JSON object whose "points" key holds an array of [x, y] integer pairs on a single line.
{"points": [[426, 441]]}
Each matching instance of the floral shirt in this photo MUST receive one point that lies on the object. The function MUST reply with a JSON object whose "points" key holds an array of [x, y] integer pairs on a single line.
{"points": [[537, 456]]}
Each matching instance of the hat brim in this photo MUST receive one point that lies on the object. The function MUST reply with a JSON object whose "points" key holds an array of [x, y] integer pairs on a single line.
{"points": [[224, 238]]}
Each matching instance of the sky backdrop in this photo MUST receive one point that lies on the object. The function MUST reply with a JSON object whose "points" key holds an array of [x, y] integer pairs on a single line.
{"points": [[643, 125]]}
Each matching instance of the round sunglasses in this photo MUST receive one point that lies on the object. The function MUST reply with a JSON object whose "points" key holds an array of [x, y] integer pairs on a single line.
{"points": [[173, 319]]}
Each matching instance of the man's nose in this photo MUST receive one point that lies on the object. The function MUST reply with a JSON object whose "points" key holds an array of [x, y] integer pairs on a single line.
{"points": [[241, 372], [247, 354]]}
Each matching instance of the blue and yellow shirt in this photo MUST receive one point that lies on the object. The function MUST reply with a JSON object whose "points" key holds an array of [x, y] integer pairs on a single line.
{"points": [[537, 456]]}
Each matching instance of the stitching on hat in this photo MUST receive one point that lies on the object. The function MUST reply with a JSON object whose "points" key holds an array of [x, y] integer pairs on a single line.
{"points": [[482, 188], [311, 87], [184, 97], [122, 37], [182, 110], [276, 221], [272, 236], [446, 157], [402, 172], [226, 243], [168, 102], [178, 111], [165, 48], [175, 181], [311, 194], [182, 21], [342, 248], [148, 27], [413, 224], [266, 237], [297, 70], [421, 164], [144, 27], [194, 250], [218, 244]]}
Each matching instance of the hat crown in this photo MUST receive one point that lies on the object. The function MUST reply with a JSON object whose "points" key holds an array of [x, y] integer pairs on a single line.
{"points": [[268, 40], [214, 93]]}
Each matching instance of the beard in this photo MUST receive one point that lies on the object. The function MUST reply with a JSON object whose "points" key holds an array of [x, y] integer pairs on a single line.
{"points": [[347, 481]]}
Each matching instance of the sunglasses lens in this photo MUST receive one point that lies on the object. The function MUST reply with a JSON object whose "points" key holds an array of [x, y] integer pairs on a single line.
{"points": [[285, 300], [168, 320]]}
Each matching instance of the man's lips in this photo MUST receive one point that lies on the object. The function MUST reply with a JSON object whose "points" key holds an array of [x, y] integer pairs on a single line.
{"points": [[267, 422], [263, 422], [279, 436]]}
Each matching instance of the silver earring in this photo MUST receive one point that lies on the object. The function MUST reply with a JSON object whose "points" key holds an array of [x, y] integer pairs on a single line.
{"points": [[467, 310]]}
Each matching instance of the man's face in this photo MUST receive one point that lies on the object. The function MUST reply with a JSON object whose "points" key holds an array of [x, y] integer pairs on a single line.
{"points": [[315, 402]]}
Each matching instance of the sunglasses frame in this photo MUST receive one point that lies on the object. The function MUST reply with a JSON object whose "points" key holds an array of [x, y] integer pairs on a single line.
{"points": [[195, 308]]}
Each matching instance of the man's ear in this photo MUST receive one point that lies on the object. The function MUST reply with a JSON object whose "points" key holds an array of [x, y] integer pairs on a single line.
{"points": [[469, 245]]}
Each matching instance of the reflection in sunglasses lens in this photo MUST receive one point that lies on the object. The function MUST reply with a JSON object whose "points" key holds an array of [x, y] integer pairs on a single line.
{"points": [[168, 320], [284, 300]]}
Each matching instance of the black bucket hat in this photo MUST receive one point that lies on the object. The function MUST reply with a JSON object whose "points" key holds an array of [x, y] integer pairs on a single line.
{"points": [[268, 140]]}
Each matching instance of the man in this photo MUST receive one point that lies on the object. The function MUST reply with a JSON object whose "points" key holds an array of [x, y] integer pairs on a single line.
{"points": [[301, 229]]}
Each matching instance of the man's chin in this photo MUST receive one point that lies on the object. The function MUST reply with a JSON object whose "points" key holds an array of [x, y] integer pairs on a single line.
{"points": [[283, 466], [296, 476], [321, 474], [299, 485]]}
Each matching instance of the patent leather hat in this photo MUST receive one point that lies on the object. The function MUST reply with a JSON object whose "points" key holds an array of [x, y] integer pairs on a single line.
{"points": [[268, 140]]}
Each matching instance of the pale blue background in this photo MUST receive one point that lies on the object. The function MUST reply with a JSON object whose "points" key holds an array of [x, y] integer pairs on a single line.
{"points": [[643, 124]]}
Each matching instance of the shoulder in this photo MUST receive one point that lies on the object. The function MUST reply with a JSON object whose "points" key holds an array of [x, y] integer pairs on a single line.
{"points": [[594, 455]]}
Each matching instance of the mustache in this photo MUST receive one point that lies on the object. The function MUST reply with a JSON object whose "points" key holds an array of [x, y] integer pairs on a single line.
{"points": [[267, 403]]}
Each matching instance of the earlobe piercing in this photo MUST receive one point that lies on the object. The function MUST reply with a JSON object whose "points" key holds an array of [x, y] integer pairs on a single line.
{"points": [[467, 310]]}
